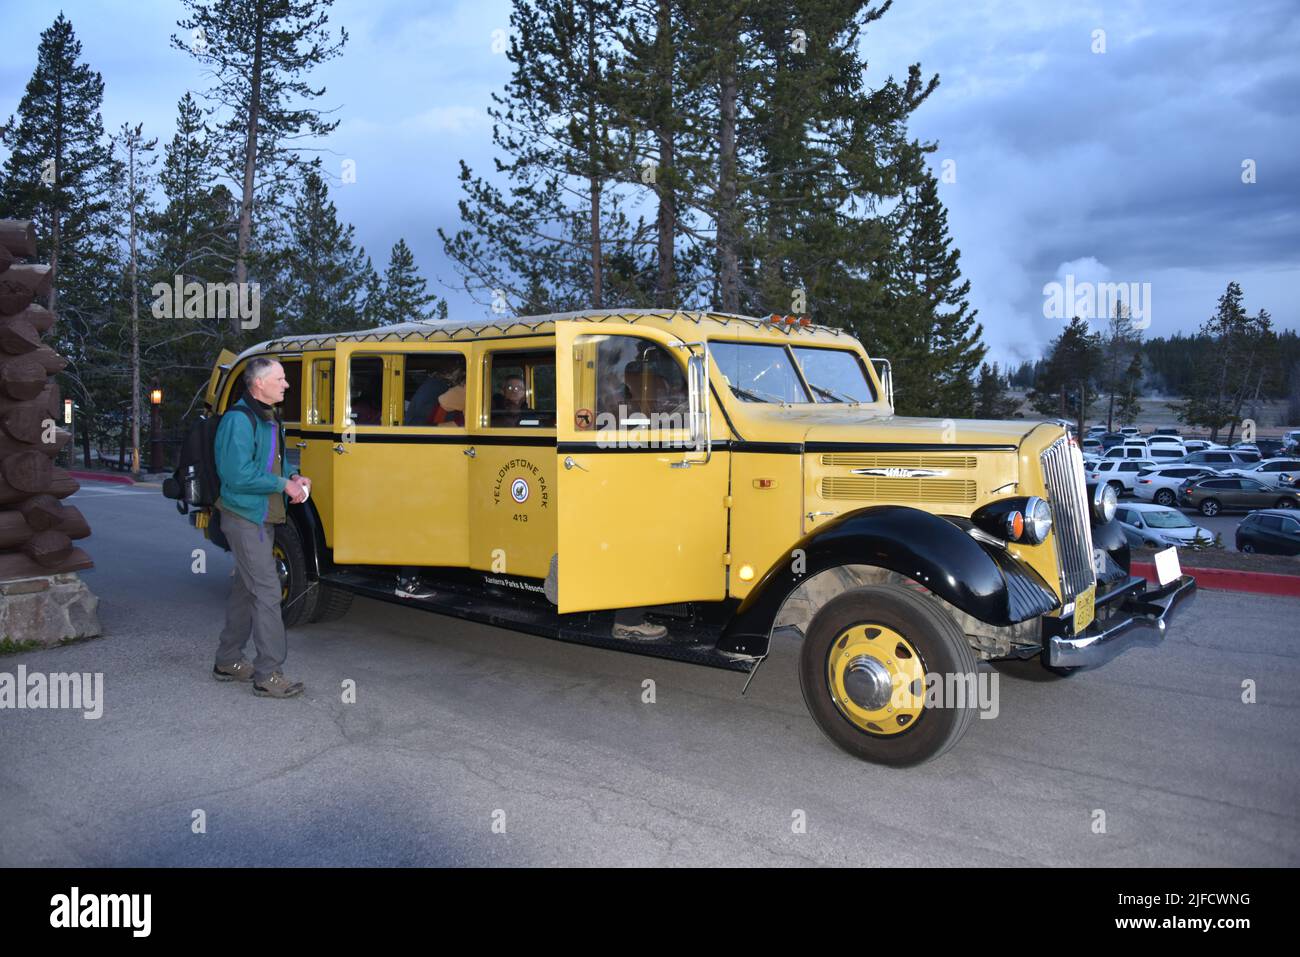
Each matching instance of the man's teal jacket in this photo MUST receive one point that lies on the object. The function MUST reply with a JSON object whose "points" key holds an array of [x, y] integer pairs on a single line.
{"points": [[246, 459]]}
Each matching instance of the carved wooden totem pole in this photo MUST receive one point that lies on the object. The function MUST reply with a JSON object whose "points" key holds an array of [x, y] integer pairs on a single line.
{"points": [[41, 597]]}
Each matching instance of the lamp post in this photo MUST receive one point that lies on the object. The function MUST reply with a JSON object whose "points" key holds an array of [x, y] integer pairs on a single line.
{"points": [[155, 431]]}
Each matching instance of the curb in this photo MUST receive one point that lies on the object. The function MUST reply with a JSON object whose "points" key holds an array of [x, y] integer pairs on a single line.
{"points": [[1227, 579], [102, 477]]}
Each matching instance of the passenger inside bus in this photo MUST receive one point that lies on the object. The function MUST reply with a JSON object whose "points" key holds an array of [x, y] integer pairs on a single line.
{"points": [[511, 403]]}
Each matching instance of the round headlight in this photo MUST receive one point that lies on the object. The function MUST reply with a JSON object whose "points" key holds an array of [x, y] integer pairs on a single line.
{"points": [[1038, 520], [1104, 502]]}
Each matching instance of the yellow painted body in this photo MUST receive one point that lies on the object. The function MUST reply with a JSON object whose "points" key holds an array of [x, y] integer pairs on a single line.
{"points": [[631, 526]]}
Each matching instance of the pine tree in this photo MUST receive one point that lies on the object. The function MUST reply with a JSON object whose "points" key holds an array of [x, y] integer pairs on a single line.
{"points": [[991, 400], [561, 219], [941, 349], [1122, 347], [60, 174], [135, 156], [259, 52], [1233, 343], [372, 297], [1064, 386], [406, 295], [1129, 407], [323, 272], [191, 238]]}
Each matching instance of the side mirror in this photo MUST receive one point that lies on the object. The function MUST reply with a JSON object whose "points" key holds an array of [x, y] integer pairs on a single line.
{"points": [[886, 373], [697, 371]]}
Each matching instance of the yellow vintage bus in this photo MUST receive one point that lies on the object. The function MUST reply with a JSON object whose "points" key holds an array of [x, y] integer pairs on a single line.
{"points": [[727, 475]]}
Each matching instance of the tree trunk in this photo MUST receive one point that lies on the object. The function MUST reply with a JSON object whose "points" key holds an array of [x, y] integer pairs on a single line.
{"points": [[666, 224], [250, 165], [594, 172], [135, 323], [728, 254]]}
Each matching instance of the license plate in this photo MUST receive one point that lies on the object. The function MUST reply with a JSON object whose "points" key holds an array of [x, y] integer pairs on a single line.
{"points": [[1085, 609]]}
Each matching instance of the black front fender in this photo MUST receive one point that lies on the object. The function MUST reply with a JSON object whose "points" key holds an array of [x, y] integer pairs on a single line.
{"points": [[982, 581]]}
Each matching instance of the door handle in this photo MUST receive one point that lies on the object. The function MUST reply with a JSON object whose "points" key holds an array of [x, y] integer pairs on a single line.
{"points": [[571, 463], [470, 451], [340, 448], [301, 445]]}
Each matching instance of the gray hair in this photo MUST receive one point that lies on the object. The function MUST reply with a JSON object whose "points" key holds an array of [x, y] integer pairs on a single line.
{"points": [[257, 368]]}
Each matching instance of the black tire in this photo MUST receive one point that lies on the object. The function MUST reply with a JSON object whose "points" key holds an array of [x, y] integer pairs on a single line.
{"points": [[1285, 503], [1247, 548], [1210, 507], [1119, 488], [1166, 497], [333, 603], [298, 597], [939, 644]]}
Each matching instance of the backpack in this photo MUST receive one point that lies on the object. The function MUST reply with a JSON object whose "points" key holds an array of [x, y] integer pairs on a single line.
{"points": [[195, 483]]}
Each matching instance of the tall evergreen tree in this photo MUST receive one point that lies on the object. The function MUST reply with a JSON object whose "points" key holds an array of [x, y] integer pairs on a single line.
{"points": [[191, 238], [137, 160], [935, 337], [60, 173], [1121, 347], [406, 295], [991, 399], [323, 272], [561, 219], [259, 53], [1237, 345], [1064, 387], [1129, 406]]}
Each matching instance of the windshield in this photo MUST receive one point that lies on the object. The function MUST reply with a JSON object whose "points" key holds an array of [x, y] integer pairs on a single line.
{"points": [[834, 375], [758, 373], [1166, 520]]}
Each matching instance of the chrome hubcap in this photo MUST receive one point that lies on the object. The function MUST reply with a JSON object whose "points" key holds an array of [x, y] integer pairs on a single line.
{"points": [[867, 683]]}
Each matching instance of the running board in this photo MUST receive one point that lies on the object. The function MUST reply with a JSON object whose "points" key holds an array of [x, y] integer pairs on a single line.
{"points": [[535, 616]]}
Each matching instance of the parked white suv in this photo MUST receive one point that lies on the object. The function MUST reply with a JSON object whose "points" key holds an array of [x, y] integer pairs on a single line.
{"points": [[1273, 472], [1129, 450], [1121, 473], [1160, 485]]}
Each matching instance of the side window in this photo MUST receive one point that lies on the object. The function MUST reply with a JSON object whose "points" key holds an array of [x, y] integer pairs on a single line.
{"points": [[520, 389], [365, 390], [320, 402], [291, 407], [627, 382], [1128, 467], [1290, 526], [432, 389]]}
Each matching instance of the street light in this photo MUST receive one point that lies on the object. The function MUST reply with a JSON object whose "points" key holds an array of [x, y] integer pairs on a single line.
{"points": [[155, 431]]}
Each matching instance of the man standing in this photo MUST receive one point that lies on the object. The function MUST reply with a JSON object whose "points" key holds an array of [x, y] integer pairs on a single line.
{"points": [[251, 465]]}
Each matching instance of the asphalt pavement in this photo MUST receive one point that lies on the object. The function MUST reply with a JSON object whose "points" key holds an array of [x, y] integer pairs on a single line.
{"points": [[469, 745]]}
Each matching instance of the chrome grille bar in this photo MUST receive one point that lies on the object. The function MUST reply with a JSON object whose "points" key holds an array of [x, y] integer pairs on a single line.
{"points": [[1067, 496]]}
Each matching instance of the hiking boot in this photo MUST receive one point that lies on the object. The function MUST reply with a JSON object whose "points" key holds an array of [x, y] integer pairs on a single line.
{"points": [[239, 671], [639, 631], [413, 588], [277, 686]]}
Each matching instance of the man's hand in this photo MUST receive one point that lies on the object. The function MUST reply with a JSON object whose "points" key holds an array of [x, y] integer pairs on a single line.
{"points": [[296, 491]]}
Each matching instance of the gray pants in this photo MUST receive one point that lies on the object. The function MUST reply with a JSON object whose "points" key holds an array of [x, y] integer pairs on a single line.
{"points": [[254, 605]]}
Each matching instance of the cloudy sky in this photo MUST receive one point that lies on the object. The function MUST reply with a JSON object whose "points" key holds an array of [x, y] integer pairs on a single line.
{"points": [[1122, 166]]}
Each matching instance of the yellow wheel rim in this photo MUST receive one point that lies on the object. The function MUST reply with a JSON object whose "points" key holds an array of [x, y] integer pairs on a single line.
{"points": [[877, 679], [281, 570]]}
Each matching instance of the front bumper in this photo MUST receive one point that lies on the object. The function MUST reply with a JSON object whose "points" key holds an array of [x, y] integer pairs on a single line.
{"points": [[1129, 606]]}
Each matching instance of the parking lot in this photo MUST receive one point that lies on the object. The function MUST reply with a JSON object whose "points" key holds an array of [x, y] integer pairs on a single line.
{"points": [[472, 745]]}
